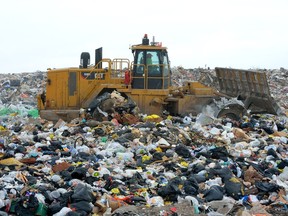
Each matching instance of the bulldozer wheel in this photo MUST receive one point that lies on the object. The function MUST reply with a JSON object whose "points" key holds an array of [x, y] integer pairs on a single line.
{"points": [[232, 111]]}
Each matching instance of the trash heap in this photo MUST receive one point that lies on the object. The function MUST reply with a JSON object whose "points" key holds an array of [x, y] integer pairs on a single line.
{"points": [[157, 165], [278, 86], [19, 91]]}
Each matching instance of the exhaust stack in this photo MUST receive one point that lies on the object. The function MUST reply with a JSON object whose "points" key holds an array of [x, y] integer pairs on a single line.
{"points": [[98, 58], [84, 60]]}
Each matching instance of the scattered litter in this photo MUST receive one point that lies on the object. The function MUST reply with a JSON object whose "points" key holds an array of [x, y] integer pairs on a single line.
{"points": [[139, 164]]}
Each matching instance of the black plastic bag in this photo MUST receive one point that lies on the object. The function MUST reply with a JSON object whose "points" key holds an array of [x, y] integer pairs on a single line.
{"points": [[267, 187], [215, 192], [219, 153], [183, 151], [234, 188], [82, 193], [79, 173]]}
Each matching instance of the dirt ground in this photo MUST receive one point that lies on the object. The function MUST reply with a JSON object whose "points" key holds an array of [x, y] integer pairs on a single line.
{"points": [[182, 209]]}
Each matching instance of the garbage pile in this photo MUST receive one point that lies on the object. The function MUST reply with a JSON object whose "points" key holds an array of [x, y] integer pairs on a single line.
{"points": [[18, 93], [157, 165], [278, 86]]}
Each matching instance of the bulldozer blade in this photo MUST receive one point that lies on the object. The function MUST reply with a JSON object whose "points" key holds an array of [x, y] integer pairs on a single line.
{"points": [[249, 86]]}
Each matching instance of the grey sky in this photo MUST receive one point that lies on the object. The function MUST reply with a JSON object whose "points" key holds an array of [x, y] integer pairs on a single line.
{"points": [[242, 34]]}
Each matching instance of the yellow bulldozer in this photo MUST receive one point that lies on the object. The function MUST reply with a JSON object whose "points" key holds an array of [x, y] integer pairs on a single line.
{"points": [[146, 84]]}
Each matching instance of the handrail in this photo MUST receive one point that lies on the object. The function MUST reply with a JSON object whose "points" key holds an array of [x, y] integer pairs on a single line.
{"points": [[119, 66], [152, 72]]}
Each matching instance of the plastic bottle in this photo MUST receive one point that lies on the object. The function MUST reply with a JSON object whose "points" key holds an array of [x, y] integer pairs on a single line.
{"points": [[255, 143], [156, 201], [187, 120], [125, 156]]}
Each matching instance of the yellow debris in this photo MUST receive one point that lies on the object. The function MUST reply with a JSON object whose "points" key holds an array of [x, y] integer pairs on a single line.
{"points": [[10, 161], [145, 158]]}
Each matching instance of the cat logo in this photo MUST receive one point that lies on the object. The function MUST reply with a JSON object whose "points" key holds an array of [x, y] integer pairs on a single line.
{"points": [[93, 76]]}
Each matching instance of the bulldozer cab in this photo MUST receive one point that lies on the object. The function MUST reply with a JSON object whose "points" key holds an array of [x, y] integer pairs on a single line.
{"points": [[151, 69]]}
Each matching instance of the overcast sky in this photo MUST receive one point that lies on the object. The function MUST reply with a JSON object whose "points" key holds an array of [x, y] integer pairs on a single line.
{"points": [[36, 35]]}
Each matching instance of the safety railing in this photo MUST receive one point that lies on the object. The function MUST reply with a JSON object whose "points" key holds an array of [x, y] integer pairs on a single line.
{"points": [[153, 76]]}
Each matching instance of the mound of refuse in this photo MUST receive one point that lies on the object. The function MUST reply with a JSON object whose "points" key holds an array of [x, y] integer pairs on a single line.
{"points": [[146, 165]]}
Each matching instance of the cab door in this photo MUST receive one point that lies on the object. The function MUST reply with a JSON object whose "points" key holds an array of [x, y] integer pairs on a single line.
{"points": [[138, 81], [73, 89]]}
